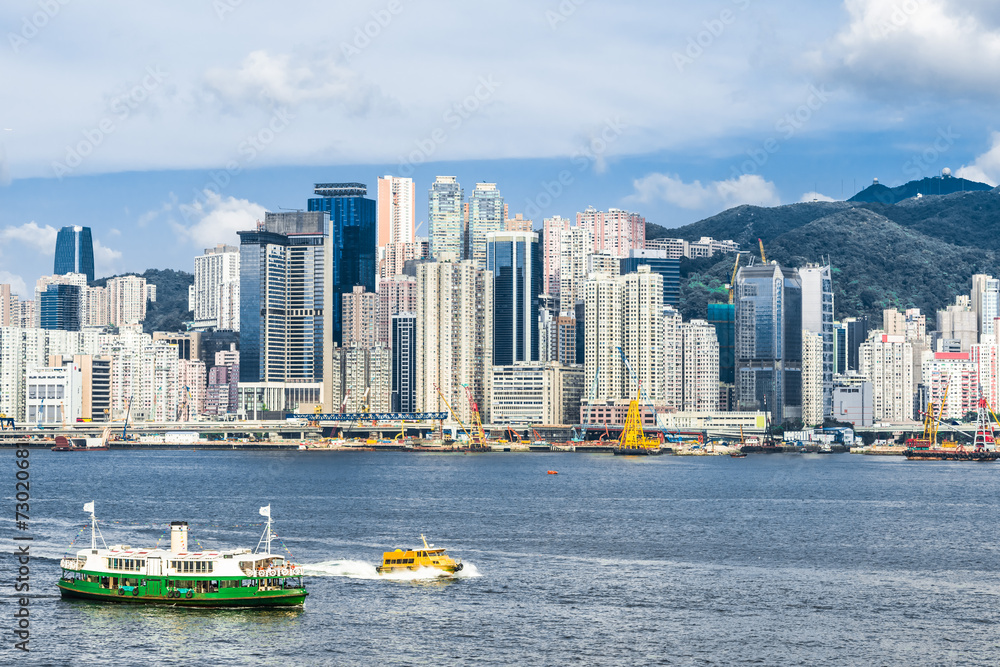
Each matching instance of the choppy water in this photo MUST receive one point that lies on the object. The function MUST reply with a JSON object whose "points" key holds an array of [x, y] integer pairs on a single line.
{"points": [[773, 560]]}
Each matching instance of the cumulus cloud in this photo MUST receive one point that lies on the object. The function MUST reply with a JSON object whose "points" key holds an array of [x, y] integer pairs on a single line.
{"points": [[747, 189], [106, 260], [213, 219], [986, 167], [42, 239], [933, 47], [16, 282], [278, 80], [815, 196]]}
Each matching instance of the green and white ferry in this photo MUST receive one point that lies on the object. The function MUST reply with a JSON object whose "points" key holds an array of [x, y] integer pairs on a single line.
{"points": [[235, 578]]}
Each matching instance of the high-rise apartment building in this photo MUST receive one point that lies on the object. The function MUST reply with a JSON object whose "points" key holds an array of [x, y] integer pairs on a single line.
{"points": [[397, 214], [394, 257], [283, 297], [360, 322], [624, 320], [215, 293], [986, 303], [951, 379], [769, 341], [485, 212], [519, 224], [454, 336], [516, 262], [614, 231], [126, 300], [352, 248], [446, 217], [397, 294], [700, 367], [6, 303], [886, 360], [553, 229], [576, 244], [673, 358], [812, 378], [74, 252], [959, 322]]}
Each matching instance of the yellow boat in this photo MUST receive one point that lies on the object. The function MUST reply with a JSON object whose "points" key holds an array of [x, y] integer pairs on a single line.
{"points": [[414, 559]]}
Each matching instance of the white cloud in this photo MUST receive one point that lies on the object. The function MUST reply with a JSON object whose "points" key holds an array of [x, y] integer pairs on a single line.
{"points": [[266, 80], [815, 196], [214, 220], [986, 167], [42, 239], [16, 282], [106, 260], [927, 47], [747, 189]]}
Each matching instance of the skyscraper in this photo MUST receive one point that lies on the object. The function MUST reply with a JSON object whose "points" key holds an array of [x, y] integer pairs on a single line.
{"points": [[445, 217], [515, 259], [817, 318], [60, 307], [658, 261], [769, 341], [404, 362], [396, 211], [614, 231], [283, 296], [74, 252], [723, 317], [216, 287], [352, 244], [554, 228], [485, 212]]}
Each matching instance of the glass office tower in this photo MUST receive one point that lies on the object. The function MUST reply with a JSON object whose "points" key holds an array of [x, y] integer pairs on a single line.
{"points": [[74, 252], [515, 258]]}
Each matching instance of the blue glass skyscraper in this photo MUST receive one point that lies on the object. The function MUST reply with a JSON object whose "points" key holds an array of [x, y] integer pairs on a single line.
{"points": [[60, 308], [353, 225], [515, 259], [74, 252]]}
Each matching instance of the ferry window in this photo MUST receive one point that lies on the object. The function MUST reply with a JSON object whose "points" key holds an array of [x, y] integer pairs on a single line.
{"points": [[211, 566]]}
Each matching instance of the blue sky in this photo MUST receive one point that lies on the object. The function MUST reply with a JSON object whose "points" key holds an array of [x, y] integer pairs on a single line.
{"points": [[167, 130]]}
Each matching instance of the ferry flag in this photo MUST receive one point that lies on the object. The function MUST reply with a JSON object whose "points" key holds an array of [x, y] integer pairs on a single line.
{"points": [[264, 511], [89, 507]]}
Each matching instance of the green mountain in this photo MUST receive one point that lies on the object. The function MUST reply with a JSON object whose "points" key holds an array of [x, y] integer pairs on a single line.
{"points": [[917, 253], [938, 185], [170, 310]]}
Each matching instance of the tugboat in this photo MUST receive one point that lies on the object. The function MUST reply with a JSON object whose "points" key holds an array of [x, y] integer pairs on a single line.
{"points": [[414, 559], [233, 578]]}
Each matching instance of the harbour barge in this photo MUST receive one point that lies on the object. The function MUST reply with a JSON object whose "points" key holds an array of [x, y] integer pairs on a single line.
{"points": [[180, 577]]}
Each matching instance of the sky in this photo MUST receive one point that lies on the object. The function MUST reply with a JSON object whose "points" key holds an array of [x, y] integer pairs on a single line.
{"points": [[166, 126]]}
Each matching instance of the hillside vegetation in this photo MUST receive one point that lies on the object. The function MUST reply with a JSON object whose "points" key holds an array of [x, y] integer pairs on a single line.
{"points": [[170, 310], [917, 253]]}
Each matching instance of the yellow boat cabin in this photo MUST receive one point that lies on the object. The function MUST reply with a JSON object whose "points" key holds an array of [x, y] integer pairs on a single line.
{"points": [[414, 559]]}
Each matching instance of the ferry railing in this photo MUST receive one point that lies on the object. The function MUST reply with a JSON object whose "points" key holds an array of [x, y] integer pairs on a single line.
{"points": [[71, 564]]}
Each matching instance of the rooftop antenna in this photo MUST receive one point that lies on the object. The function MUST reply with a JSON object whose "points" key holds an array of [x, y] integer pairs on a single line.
{"points": [[265, 539], [94, 530]]}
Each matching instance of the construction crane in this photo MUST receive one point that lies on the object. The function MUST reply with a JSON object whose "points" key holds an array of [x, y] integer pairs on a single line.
{"points": [[590, 406], [763, 257], [453, 413], [649, 401], [732, 281], [479, 442]]}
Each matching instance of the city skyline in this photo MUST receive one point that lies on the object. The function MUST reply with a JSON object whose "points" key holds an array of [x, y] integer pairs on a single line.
{"points": [[766, 104]]}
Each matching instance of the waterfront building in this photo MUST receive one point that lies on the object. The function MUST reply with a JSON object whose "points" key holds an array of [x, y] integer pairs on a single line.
{"points": [[283, 304], [723, 317], [817, 318], [812, 379], [951, 377], [515, 260], [192, 382], [700, 367], [454, 336], [74, 252], [54, 396], [404, 362], [532, 394], [887, 362], [854, 403], [351, 257], [95, 375], [769, 341], [216, 289], [222, 392], [658, 261], [362, 379], [446, 217], [624, 317], [485, 212]]}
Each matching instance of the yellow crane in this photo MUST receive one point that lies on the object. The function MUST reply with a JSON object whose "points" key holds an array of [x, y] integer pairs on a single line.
{"points": [[732, 281], [479, 442], [763, 257], [453, 413]]}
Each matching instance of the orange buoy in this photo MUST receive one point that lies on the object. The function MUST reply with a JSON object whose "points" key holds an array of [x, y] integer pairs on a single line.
{"points": [[553, 472]]}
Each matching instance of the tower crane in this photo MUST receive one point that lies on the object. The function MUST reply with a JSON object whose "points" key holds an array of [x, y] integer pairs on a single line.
{"points": [[479, 442], [453, 413], [763, 257], [732, 281]]}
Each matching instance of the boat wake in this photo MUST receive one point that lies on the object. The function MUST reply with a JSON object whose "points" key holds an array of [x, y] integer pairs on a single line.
{"points": [[357, 569]]}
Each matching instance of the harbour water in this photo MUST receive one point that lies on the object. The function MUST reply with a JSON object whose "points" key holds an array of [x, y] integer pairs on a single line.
{"points": [[773, 560]]}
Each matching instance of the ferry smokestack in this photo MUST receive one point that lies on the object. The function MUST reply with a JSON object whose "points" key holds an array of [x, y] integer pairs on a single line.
{"points": [[178, 537]]}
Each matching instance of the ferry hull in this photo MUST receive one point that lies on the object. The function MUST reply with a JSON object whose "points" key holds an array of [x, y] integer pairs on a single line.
{"points": [[290, 598]]}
